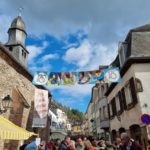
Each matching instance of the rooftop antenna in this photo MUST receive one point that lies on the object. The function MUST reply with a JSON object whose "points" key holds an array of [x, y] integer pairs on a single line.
{"points": [[20, 9]]}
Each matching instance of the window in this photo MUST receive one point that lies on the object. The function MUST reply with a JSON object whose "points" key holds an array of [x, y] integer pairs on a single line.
{"points": [[113, 106], [118, 103], [102, 90], [133, 91], [24, 53], [122, 94], [121, 99], [105, 112], [10, 49], [128, 94], [110, 110], [122, 50], [100, 113], [97, 105], [139, 87]]}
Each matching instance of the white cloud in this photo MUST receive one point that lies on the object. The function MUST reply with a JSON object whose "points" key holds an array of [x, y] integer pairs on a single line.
{"points": [[90, 55], [79, 56], [74, 91], [100, 19], [73, 96], [48, 57], [34, 68], [34, 51]]}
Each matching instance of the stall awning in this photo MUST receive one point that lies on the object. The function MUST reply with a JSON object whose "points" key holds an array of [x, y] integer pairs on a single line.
{"points": [[10, 131]]}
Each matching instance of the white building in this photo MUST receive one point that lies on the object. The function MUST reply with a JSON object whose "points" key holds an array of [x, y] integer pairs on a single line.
{"points": [[129, 100]]}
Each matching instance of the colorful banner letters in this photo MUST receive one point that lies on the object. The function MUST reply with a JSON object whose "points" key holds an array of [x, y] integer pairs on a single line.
{"points": [[40, 108], [105, 75]]}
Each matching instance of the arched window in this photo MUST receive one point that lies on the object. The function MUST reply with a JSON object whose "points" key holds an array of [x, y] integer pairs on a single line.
{"points": [[114, 135], [136, 133], [138, 84]]}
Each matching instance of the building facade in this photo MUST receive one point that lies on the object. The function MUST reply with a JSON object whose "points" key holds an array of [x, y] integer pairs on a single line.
{"points": [[16, 81], [121, 105], [129, 100]]}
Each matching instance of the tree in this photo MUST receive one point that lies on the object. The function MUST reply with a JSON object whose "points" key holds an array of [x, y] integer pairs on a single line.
{"points": [[74, 115]]}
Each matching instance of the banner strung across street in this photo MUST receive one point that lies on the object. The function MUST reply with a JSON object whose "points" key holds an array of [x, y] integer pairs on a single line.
{"points": [[106, 75], [40, 108]]}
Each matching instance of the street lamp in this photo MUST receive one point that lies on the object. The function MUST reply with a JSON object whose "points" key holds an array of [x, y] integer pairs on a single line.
{"points": [[5, 104]]}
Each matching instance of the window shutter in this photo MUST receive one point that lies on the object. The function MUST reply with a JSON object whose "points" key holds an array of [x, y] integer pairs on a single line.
{"points": [[133, 90], [123, 99], [121, 102], [108, 110], [114, 107]]}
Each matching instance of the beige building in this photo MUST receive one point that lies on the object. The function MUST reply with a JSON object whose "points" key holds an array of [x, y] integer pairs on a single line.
{"points": [[76, 129], [89, 120], [16, 81], [86, 122], [118, 107], [96, 123], [129, 100]]}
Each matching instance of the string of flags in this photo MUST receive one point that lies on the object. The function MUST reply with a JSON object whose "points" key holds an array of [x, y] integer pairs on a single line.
{"points": [[106, 75]]}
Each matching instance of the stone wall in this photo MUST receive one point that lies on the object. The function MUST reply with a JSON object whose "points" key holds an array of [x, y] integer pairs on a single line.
{"points": [[13, 76]]}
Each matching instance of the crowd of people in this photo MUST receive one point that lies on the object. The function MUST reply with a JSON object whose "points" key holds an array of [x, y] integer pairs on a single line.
{"points": [[86, 143]]}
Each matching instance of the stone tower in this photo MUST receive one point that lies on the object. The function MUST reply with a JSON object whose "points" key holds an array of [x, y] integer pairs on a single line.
{"points": [[16, 41]]}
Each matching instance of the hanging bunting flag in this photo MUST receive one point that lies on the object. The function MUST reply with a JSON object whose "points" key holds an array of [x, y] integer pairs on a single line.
{"points": [[54, 78], [68, 78], [40, 78], [40, 108], [112, 75], [96, 75], [83, 77], [104, 75]]}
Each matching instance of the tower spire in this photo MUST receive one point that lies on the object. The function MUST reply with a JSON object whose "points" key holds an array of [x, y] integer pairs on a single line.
{"points": [[20, 9]]}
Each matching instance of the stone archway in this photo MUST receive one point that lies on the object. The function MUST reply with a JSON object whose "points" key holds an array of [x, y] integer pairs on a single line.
{"points": [[135, 132], [114, 135], [121, 130]]}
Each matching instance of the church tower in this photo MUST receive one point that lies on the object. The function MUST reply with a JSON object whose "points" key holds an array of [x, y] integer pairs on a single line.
{"points": [[16, 41]]}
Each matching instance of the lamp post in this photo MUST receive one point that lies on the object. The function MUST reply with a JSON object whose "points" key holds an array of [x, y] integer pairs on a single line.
{"points": [[5, 104]]}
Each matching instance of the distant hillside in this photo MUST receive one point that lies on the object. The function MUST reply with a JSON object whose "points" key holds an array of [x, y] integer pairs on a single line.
{"points": [[74, 115]]}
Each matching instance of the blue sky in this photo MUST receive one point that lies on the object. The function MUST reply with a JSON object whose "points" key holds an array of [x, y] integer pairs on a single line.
{"points": [[73, 35]]}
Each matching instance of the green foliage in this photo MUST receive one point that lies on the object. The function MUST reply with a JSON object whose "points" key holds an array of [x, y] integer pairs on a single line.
{"points": [[73, 114]]}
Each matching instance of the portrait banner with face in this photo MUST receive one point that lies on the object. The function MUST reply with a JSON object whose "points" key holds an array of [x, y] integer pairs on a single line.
{"points": [[40, 108], [40, 78], [84, 77]]}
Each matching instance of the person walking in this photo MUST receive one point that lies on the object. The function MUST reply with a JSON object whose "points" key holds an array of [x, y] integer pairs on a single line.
{"points": [[65, 143], [129, 144], [80, 145]]}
